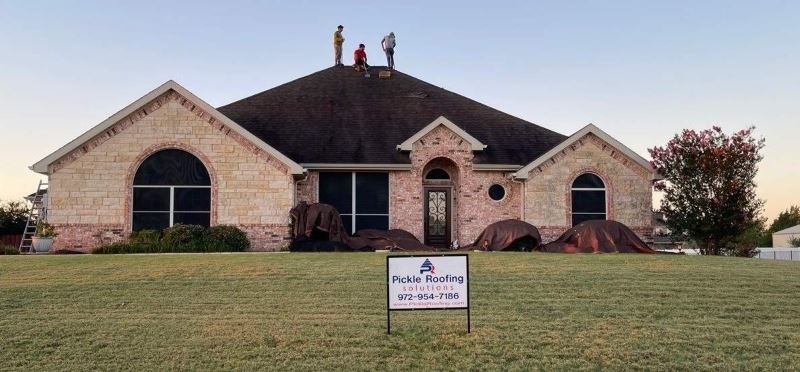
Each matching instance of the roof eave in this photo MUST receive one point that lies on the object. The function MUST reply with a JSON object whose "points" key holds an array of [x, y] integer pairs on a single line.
{"points": [[408, 144], [42, 166], [590, 128], [356, 166]]}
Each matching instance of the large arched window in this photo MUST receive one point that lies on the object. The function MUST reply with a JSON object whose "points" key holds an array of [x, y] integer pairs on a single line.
{"points": [[170, 187], [588, 198]]}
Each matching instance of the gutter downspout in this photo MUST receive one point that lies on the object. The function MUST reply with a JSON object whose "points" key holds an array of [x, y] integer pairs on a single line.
{"points": [[523, 196], [294, 191]]}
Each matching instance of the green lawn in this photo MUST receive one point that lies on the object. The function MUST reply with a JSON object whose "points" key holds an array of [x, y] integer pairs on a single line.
{"points": [[327, 311]]}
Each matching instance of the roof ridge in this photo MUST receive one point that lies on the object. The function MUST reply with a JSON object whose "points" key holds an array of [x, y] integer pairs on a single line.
{"points": [[279, 86]]}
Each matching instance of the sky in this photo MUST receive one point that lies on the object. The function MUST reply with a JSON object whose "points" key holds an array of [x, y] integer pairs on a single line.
{"points": [[641, 71]]}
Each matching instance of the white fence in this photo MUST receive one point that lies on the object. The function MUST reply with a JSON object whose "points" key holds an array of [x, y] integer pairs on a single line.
{"points": [[784, 254]]}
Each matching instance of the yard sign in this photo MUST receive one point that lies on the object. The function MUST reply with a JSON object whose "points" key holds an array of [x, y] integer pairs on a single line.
{"points": [[436, 282]]}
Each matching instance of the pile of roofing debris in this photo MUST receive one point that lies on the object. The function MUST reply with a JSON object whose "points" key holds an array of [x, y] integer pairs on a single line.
{"points": [[319, 228]]}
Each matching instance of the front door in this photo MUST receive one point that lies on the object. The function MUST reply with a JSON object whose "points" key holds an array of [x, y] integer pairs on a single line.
{"points": [[437, 217]]}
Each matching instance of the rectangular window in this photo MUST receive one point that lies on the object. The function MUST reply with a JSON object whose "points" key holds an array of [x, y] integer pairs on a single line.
{"points": [[582, 217], [192, 218], [336, 189], [588, 205], [151, 199], [192, 199], [588, 201], [159, 207], [150, 220], [362, 198]]}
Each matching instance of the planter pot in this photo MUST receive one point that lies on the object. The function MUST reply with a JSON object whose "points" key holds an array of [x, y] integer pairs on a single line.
{"points": [[42, 244]]}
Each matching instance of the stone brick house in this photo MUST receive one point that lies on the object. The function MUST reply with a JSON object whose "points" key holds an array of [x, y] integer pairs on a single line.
{"points": [[389, 152]]}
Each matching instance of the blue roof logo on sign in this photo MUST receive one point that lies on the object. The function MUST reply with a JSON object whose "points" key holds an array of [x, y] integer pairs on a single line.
{"points": [[427, 266]]}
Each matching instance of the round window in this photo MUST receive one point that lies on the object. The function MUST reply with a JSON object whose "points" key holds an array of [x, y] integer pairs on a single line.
{"points": [[497, 192]]}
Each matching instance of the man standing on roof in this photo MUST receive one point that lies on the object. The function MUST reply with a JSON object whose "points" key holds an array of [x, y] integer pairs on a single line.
{"points": [[360, 57], [388, 43], [338, 40]]}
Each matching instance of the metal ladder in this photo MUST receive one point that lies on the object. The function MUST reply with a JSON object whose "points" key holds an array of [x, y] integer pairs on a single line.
{"points": [[37, 213]]}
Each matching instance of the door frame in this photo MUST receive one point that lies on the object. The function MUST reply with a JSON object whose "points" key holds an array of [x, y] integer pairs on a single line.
{"points": [[449, 213]]}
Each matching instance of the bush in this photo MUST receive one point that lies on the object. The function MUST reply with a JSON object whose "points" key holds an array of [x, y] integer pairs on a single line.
{"points": [[8, 250], [45, 230], [181, 239], [13, 217], [184, 238], [146, 237], [225, 238]]}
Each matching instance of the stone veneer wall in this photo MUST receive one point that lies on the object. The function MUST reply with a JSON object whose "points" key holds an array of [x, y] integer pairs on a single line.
{"points": [[90, 188], [628, 188], [472, 209]]}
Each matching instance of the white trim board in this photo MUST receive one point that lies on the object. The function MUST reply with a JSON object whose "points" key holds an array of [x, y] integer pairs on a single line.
{"points": [[355, 167], [591, 128], [42, 165], [391, 167], [408, 144]]}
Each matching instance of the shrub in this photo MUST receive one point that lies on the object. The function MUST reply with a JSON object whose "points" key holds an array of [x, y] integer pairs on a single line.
{"points": [[180, 239], [13, 217], [183, 238], [8, 250], [45, 230], [225, 238], [146, 237]]}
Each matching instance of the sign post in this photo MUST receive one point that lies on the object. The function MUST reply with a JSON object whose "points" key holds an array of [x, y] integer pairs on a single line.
{"points": [[430, 282]]}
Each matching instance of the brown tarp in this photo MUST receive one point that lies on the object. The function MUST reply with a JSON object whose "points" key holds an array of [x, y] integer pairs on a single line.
{"points": [[394, 239], [598, 236], [309, 220], [508, 235], [318, 228]]}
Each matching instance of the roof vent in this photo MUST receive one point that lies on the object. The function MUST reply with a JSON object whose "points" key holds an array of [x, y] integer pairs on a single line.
{"points": [[417, 94]]}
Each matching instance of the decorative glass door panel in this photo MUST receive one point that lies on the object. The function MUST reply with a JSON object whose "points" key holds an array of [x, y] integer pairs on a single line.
{"points": [[437, 217]]}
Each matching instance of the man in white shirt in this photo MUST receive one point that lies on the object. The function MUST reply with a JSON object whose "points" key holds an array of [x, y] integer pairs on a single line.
{"points": [[388, 43]]}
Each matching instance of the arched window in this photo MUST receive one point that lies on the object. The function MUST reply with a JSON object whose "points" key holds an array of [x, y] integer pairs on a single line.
{"points": [[171, 186], [437, 174], [588, 198]]}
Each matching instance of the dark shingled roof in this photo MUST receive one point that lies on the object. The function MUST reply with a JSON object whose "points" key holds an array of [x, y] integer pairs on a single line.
{"points": [[337, 115]]}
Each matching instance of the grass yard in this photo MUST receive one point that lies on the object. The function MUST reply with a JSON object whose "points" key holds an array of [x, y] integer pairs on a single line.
{"points": [[327, 312]]}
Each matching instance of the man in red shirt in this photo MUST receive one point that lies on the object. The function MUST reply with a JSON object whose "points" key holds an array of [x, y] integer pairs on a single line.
{"points": [[360, 57]]}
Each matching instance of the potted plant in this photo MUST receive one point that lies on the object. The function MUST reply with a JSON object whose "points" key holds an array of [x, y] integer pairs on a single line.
{"points": [[43, 238]]}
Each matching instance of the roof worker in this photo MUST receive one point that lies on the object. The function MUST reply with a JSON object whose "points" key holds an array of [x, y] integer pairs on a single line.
{"points": [[338, 40], [388, 43], [360, 57]]}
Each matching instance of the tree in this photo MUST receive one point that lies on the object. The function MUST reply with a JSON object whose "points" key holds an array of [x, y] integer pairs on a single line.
{"points": [[746, 244], [785, 220], [709, 187], [13, 217]]}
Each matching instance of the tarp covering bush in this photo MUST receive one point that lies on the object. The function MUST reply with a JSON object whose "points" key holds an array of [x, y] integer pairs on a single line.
{"points": [[318, 227], [598, 236], [508, 235]]}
